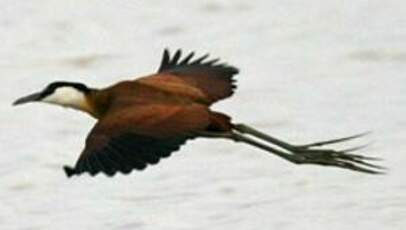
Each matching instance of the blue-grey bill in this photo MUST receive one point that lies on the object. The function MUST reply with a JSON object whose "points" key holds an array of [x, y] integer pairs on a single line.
{"points": [[30, 98]]}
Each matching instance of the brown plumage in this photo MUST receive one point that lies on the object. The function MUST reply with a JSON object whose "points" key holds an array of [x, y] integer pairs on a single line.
{"points": [[144, 120]]}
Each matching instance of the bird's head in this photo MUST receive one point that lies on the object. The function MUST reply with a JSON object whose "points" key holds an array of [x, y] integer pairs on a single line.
{"points": [[67, 94]]}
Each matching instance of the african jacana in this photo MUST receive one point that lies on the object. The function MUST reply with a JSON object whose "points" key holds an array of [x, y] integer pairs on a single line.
{"points": [[143, 120]]}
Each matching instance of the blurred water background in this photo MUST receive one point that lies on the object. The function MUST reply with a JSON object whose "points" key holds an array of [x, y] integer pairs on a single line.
{"points": [[310, 70]]}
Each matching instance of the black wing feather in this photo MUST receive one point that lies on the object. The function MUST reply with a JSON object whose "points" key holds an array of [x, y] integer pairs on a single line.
{"points": [[200, 60], [166, 58], [213, 78], [186, 60], [173, 64], [125, 153], [176, 57]]}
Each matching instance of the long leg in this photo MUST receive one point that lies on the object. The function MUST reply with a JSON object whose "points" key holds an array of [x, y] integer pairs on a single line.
{"points": [[307, 148], [319, 157], [241, 138], [242, 128]]}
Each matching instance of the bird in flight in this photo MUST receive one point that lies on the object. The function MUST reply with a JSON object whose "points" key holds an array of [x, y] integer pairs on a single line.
{"points": [[141, 121]]}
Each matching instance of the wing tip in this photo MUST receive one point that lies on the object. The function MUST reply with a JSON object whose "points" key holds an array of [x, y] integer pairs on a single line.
{"points": [[69, 171], [168, 62]]}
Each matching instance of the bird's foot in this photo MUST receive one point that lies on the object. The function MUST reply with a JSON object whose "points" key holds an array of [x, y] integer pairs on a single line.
{"points": [[307, 154], [314, 153]]}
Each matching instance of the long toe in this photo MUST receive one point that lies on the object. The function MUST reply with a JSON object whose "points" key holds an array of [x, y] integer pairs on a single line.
{"points": [[338, 159]]}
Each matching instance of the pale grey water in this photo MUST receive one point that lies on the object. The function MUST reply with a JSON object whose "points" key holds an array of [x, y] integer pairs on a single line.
{"points": [[310, 70]]}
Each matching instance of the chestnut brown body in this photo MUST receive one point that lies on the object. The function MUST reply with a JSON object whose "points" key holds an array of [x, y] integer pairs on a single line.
{"points": [[141, 121]]}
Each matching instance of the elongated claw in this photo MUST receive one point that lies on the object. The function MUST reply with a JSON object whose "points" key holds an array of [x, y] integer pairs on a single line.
{"points": [[350, 166], [354, 149], [341, 159], [354, 167], [369, 164], [334, 141]]}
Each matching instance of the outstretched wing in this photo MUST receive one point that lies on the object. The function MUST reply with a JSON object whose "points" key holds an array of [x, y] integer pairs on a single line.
{"points": [[130, 140], [123, 154], [214, 79]]}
